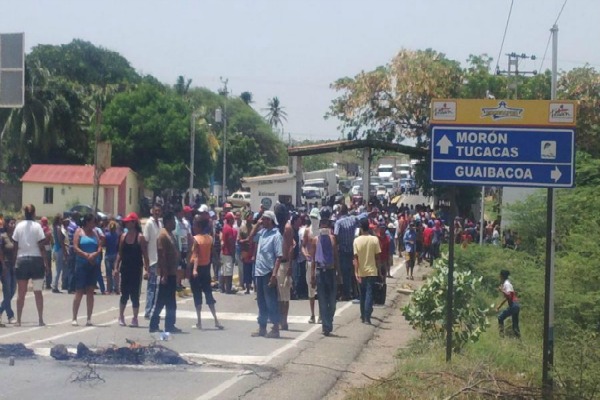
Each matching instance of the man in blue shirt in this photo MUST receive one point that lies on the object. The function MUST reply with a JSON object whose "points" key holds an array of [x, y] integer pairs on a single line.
{"points": [[345, 230], [410, 238], [269, 253]]}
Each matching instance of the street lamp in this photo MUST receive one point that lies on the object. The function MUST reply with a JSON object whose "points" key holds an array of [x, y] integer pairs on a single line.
{"points": [[221, 116]]}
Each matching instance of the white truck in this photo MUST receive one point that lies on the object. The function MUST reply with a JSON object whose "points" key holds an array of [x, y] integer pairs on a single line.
{"points": [[385, 171], [325, 178]]}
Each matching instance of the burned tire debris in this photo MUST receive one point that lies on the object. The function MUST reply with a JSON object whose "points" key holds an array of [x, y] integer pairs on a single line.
{"points": [[134, 354], [16, 350]]}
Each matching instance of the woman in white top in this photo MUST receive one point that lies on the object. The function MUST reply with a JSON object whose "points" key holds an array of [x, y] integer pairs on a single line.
{"points": [[31, 261]]}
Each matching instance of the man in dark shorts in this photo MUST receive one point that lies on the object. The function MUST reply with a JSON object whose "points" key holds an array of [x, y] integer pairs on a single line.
{"points": [[31, 261], [201, 250], [168, 258]]}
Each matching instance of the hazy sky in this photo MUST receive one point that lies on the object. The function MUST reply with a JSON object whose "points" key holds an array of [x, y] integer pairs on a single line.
{"points": [[295, 49]]}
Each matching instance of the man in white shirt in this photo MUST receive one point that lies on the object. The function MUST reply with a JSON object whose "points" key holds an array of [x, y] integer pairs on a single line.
{"points": [[31, 262], [151, 230]]}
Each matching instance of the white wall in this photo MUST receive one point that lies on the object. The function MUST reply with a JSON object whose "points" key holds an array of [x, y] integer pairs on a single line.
{"points": [[271, 189], [64, 197]]}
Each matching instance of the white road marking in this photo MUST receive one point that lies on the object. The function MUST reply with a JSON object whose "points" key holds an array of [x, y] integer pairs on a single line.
{"points": [[66, 321], [214, 392], [70, 333], [233, 359], [246, 317], [236, 359]]}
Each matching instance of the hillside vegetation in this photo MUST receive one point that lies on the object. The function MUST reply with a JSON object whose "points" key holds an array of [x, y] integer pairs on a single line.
{"points": [[494, 367]]}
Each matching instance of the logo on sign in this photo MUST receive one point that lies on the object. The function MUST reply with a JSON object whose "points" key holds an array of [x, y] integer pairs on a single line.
{"points": [[548, 149], [266, 203], [502, 112], [444, 110], [561, 112]]}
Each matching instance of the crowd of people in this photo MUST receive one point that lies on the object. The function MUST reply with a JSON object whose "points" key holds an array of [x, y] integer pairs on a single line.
{"points": [[325, 254]]}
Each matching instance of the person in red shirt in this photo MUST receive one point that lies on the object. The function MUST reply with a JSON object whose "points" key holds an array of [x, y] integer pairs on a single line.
{"points": [[228, 238], [427, 238], [383, 257]]}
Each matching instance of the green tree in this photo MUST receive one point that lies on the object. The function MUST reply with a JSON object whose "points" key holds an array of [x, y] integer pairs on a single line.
{"points": [[55, 125], [83, 62], [428, 307], [182, 86], [36, 133], [242, 122], [392, 102], [479, 83], [149, 127], [246, 98], [583, 84]]}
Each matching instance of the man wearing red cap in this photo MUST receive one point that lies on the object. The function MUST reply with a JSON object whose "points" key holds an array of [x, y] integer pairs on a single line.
{"points": [[228, 238]]}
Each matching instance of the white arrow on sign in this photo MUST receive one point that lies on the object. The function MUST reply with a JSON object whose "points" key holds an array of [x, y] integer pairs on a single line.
{"points": [[555, 174], [444, 144]]}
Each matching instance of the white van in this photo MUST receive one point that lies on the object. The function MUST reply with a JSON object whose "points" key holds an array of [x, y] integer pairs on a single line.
{"points": [[403, 171]]}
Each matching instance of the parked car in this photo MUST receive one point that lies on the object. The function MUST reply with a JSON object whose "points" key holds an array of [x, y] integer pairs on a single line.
{"points": [[239, 199], [83, 209]]}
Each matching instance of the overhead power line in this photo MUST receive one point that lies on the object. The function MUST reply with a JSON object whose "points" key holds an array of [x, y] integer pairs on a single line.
{"points": [[504, 36]]}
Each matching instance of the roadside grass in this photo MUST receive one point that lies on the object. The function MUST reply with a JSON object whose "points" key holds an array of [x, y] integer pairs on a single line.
{"points": [[489, 368], [494, 366]]}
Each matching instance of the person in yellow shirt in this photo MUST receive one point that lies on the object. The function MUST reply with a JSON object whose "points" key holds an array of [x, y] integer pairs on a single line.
{"points": [[366, 249]]}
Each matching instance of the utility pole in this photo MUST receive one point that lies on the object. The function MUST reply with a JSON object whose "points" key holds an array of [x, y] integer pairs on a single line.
{"points": [[514, 72], [224, 92], [548, 346], [192, 154]]}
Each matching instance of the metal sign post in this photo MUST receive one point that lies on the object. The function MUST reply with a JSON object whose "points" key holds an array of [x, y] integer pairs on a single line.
{"points": [[548, 346], [526, 143], [450, 293]]}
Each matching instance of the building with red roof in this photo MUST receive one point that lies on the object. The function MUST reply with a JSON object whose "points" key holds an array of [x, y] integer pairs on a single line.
{"points": [[54, 188]]}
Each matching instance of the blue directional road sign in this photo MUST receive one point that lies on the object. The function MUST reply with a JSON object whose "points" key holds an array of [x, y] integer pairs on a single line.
{"points": [[503, 156]]}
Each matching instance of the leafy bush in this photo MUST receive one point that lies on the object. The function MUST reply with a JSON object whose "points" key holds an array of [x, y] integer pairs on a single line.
{"points": [[427, 308]]}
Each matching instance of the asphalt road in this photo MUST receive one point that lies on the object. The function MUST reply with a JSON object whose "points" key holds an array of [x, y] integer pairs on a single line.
{"points": [[223, 364]]}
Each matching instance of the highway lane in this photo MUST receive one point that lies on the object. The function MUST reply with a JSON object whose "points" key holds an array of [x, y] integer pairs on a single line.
{"points": [[221, 361]]}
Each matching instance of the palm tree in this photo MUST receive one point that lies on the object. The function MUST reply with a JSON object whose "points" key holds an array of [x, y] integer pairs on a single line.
{"points": [[25, 129], [275, 114], [182, 86]]}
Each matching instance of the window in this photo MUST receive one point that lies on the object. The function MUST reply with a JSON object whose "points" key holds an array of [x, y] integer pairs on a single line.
{"points": [[48, 195], [130, 193]]}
